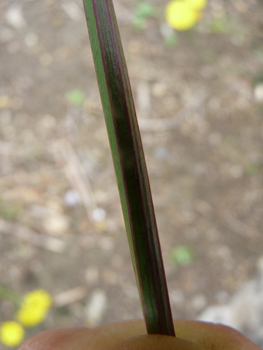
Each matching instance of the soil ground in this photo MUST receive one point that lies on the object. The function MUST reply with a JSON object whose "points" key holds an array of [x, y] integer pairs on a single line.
{"points": [[199, 105]]}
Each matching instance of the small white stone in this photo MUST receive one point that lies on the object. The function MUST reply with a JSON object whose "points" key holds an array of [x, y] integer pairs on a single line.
{"points": [[218, 314], [31, 39], [161, 152], [143, 97], [56, 223], [15, 17], [72, 10], [72, 198], [243, 310], [98, 214], [258, 92], [96, 307], [199, 302]]}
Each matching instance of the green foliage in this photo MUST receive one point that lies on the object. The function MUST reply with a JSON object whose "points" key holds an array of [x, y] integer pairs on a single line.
{"points": [[171, 40], [75, 97], [231, 140], [253, 169], [9, 211], [219, 25], [143, 11], [228, 25], [182, 255]]}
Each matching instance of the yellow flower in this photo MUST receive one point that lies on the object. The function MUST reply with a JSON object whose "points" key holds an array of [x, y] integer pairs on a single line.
{"points": [[11, 333], [196, 4], [30, 317], [34, 308], [38, 298], [181, 16]]}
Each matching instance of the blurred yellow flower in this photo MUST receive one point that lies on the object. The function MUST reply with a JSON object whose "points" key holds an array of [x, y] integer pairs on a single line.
{"points": [[34, 308], [196, 4], [181, 16], [11, 333], [38, 298], [30, 316]]}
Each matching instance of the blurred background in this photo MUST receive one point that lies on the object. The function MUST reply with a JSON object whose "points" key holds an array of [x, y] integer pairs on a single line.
{"points": [[199, 100]]}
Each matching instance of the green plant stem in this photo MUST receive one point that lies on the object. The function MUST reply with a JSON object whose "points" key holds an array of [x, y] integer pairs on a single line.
{"points": [[130, 166]]}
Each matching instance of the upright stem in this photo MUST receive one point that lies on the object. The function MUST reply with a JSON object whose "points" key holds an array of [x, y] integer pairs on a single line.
{"points": [[130, 166]]}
